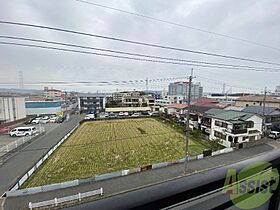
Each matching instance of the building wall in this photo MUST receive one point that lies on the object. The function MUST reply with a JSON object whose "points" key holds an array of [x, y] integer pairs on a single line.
{"points": [[12, 108], [254, 103], [257, 126], [42, 107], [91, 103], [182, 88]]}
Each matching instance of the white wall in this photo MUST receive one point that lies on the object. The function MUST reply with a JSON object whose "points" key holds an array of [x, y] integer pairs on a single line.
{"points": [[12, 108], [42, 111]]}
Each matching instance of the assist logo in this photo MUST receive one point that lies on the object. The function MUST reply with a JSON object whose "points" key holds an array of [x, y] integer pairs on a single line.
{"points": [[252, 186]]}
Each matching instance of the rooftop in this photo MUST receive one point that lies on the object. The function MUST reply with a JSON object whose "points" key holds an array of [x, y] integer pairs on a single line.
{"points": [[271, 99], [233, 115], [176, 106], [259, 110]]}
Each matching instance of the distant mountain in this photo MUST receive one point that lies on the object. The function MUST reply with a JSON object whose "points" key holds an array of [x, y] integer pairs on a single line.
{"points": [[16, 91]]}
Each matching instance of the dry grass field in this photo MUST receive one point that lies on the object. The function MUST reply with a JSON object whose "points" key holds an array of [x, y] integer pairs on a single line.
{"points": [[106, 146]]}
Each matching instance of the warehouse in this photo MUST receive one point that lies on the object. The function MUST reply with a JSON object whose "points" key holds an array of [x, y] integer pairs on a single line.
{"points": [[12, 109]]}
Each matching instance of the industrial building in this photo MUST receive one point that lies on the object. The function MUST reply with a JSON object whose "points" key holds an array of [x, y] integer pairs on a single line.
{"points": [[42, 106], [12, 109]]}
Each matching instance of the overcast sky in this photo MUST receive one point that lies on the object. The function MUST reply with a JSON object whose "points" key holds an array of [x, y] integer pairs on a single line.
{"points": [[257, 21]]}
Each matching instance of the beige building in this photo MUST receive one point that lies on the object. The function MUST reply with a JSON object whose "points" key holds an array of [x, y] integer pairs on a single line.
{"points": [[251, 100], [12, 109], [51, 93]]}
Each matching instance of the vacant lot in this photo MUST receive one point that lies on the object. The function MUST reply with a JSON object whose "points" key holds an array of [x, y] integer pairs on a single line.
{"points": [[106, 146]]}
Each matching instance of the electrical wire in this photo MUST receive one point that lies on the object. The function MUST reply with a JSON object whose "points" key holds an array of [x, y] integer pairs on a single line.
{"points": [[130, 58], [135, 42], [178, 24], [134, 54]]}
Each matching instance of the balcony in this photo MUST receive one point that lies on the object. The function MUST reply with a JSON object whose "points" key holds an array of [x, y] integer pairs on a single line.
{"points": [[236, 131]]}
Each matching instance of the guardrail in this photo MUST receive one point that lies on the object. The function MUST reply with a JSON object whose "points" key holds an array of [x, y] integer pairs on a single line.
{"points": [[13, 145], [57, 201]]}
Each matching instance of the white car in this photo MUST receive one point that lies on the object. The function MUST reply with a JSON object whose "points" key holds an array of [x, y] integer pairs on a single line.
{"points": [[136, 115], [52, 119], [44, 120], [36, 121], [121, 114], [89, 117], [23, 131], [274, 135], [126, 114]]}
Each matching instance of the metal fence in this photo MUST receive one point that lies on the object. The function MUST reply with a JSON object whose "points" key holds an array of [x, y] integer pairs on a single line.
{"points": [[15, 144], [57, 201]]}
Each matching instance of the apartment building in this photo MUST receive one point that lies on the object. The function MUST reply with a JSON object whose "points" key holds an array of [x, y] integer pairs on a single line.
{"points": [[182, 89], [51, 93], [94, 103]]}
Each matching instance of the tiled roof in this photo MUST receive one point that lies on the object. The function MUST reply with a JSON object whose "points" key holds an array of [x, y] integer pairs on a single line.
{"points": [[214, 112], [259, 110], [176, 106], [233, 115]]}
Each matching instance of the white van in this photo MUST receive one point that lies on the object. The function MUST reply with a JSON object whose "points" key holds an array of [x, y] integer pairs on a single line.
{"points": [[274, 135], [23, 131]]}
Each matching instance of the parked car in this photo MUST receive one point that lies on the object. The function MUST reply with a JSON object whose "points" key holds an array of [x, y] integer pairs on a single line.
{"points": [[23, 131], [126, 114], [121, 114], [136, 114], [28, 122], [112, 116], [44, 120], [36, 120], [59, 120], [274, 135], [52, 119], [89, 117]]}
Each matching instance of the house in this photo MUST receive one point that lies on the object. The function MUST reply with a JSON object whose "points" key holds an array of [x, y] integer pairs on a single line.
{"points": [[205, 124], [175, 109], [270, 114], [233, 127], [252, 100], [196, 115]]}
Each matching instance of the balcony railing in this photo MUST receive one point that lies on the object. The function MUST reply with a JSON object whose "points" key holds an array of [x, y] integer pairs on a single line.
{"points": [[237, 131]]}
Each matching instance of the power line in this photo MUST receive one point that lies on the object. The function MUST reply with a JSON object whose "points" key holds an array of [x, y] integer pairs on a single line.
{"points": [[180, 25], [131, 58], [136, 42], [134, 54]]}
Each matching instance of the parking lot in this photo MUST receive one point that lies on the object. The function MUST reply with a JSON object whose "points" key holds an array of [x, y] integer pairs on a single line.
{"points": [[6, 139]]}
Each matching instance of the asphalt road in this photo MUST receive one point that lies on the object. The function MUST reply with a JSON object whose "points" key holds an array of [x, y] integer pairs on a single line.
{"points": [[120, 184], [24, 159]]}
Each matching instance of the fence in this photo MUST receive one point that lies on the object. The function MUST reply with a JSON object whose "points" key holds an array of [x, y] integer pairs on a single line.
{"points": [[13, 145], [57, 201], [40, 162]]}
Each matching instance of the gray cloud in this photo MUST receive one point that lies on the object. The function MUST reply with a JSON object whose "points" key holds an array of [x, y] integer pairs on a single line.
{"points": [[258, 21]]}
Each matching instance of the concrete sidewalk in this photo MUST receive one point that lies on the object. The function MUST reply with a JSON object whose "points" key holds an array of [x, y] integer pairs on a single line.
{"points": [[126, 183]]}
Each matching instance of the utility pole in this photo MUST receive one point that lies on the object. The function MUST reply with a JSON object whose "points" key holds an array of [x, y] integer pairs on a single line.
{"points": [[264, 100], [188, 94], [147, 84]]}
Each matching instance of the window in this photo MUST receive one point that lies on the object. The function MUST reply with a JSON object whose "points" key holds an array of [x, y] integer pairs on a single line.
{"points": [[249, 124], [220, 124], [219, 135]]}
